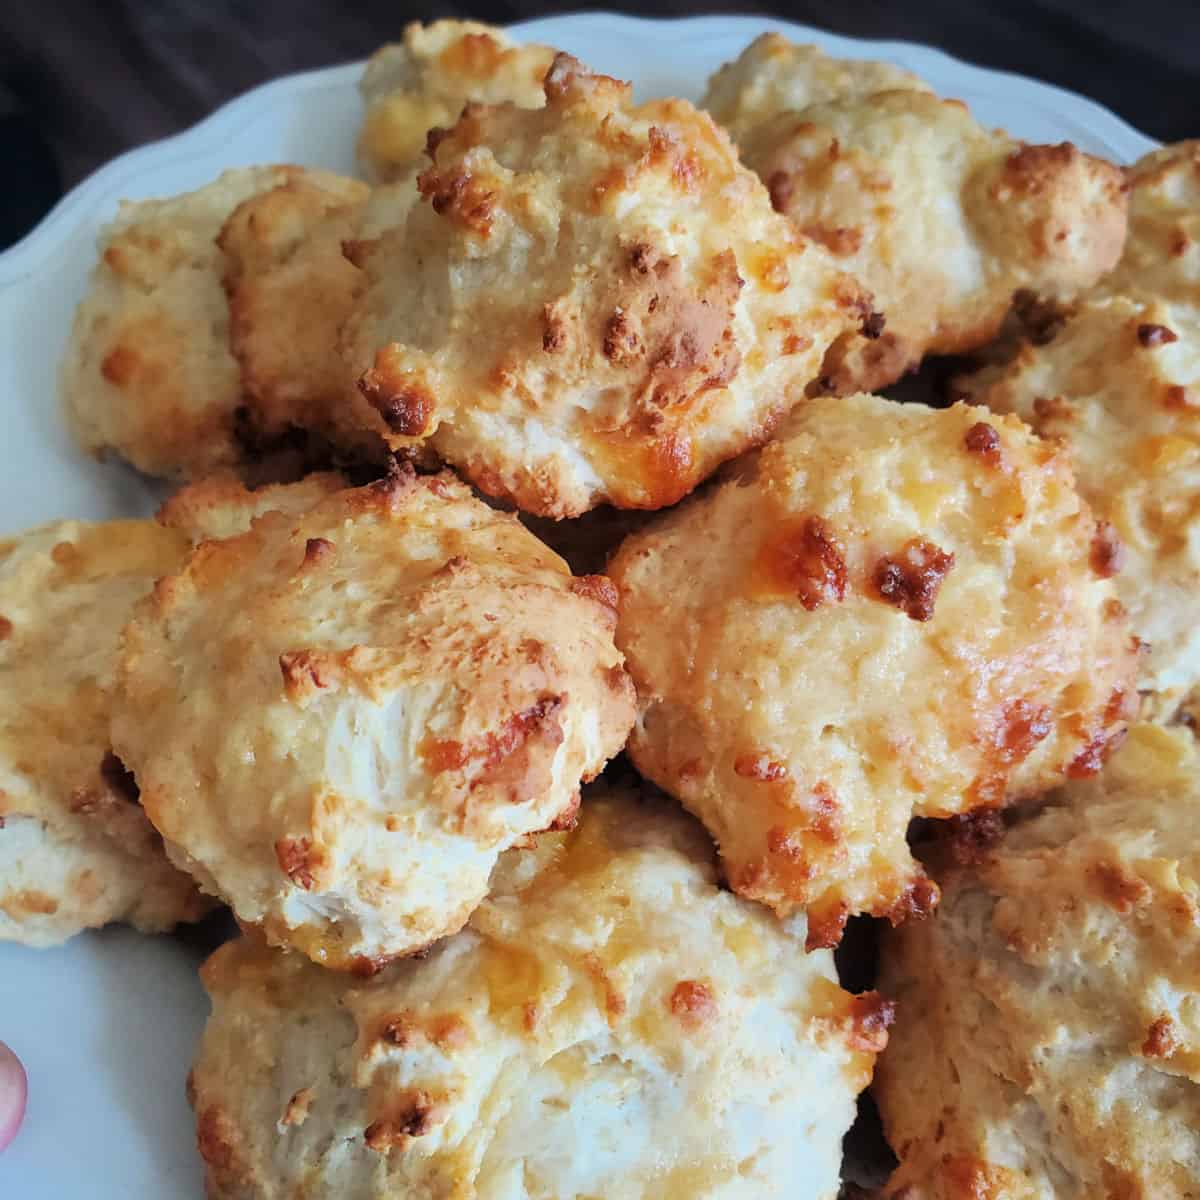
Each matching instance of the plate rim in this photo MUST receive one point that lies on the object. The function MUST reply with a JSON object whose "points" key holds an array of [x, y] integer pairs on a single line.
{"points": [[207, 133]]}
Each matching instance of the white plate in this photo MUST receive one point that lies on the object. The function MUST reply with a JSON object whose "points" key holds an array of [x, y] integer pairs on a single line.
{"points": [[106, 1026]]}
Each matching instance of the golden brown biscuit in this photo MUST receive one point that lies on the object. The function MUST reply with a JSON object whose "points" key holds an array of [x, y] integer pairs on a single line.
{"points": [[610, 1023], [890, 611], [593, 303], [412, 86], [774, 75], [941, 219], [76, 849], [148, 371], [290, 288], [1048, 1035], [340, 719]]}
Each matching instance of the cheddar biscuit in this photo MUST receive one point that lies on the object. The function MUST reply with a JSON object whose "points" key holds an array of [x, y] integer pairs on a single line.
{"points": [[289, 288], [148, 371], [890, 611], [939, 218], [1048, 1028], [609, 1023], [774, 75], [339, 719], [592, 302]]}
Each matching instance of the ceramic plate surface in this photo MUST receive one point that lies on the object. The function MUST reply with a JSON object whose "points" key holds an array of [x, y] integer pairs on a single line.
{"points": [[106, 1025]]}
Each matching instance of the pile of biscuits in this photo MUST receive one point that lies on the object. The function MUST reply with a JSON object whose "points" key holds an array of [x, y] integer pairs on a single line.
{"points": [[364, 677]]}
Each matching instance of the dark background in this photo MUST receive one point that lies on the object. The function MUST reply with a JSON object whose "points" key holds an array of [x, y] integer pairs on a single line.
{"points": [[82, 80]]}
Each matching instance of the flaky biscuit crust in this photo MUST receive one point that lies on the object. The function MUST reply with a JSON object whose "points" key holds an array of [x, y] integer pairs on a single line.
{"points": [[148, 372], [412, 86], [339, 719], [941, 219], [889, 611], [76, 849], [593, 302], [1048, 1041], [610, 1023]]}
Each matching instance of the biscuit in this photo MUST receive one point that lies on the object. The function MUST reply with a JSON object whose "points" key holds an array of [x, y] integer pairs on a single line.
{"points": [[76, 849], [890, 611], [774, 75], [148, 372], [413, 86], [592, 303], [289, 289], [339, 719], [1048, 1037], [610, 1023], [941, 219]]}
